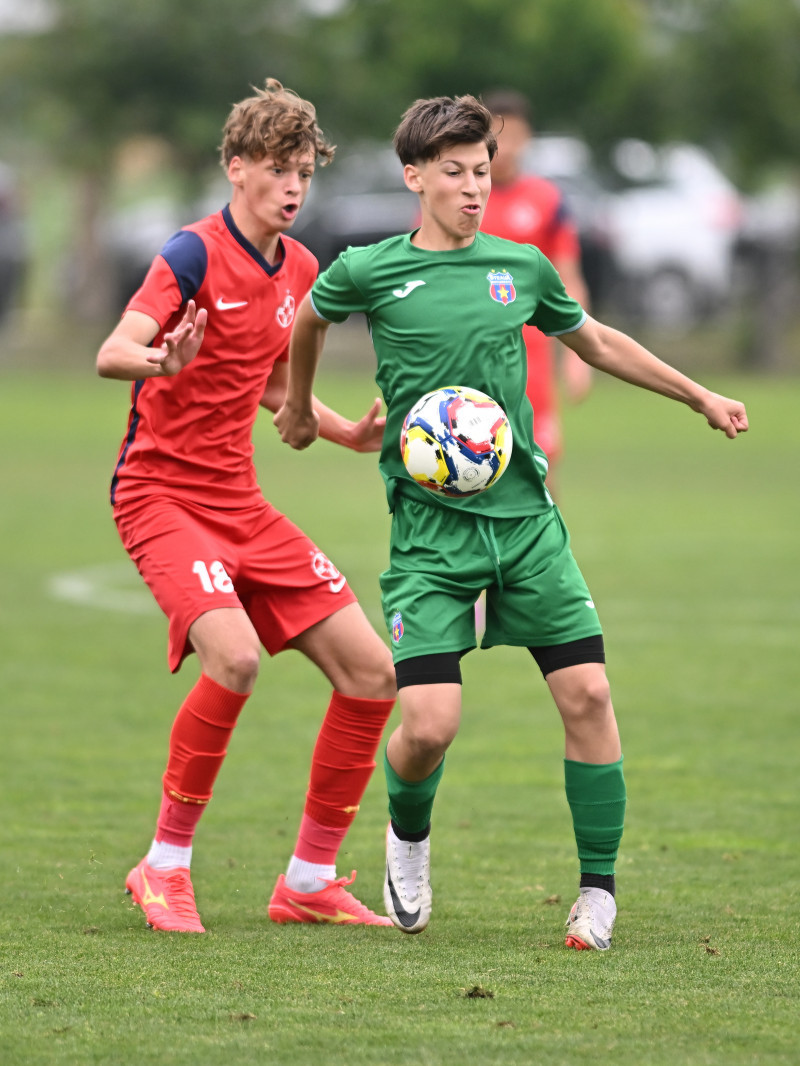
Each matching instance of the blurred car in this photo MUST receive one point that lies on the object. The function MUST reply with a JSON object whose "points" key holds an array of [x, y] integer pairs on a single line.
{"points": [[13, 244], [673, 221], [361, 198], [659, 226]]}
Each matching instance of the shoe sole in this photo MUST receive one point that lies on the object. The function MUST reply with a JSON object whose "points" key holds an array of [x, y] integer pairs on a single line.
{"points": [[573, 941]]}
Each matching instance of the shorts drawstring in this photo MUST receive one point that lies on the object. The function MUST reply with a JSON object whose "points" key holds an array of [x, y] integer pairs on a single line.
{"points": [[488, 538]]}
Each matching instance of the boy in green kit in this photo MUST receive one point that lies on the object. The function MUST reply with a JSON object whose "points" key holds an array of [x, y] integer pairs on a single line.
{"points": [[446, 305]]}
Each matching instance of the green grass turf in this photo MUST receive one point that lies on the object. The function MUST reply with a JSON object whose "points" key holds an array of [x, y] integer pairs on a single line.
{"points": [[689, 543]]}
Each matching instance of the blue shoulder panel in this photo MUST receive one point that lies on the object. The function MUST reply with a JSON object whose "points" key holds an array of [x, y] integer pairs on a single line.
{"points": [[186, 254]]}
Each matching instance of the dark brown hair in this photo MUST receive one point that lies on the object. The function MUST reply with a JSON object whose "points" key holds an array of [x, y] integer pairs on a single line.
{"points": [[274, 122], [429, 126]]}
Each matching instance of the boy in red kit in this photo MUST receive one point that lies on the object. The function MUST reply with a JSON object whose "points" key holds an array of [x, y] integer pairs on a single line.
{"points": [[531, 210], [205, 342]]}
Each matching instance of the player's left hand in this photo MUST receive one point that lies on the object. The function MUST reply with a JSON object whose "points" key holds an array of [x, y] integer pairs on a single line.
{"points": [[723, 413], [366, 435]]}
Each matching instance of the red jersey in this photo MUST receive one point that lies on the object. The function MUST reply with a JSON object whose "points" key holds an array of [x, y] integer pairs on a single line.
{"points": [[531, 210], [191, 435]]}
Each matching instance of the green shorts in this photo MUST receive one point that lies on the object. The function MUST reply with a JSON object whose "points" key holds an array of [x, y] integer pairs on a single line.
{"points": [[440, 561]]}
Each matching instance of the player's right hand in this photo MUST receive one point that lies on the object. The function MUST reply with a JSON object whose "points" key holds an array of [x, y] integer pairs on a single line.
{"points": [[181, 344], [723, 413]]}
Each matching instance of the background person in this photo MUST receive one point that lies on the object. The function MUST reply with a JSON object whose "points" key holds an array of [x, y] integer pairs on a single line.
{"points": [[529, 209]]}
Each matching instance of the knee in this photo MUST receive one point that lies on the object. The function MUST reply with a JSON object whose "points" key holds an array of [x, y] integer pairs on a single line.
{"points": [[427, 741], [235, 668], [590, 702]]}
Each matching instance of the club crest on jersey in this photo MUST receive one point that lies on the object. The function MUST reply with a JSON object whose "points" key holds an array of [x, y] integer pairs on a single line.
{"points": [[397, 627], [285, 313], [501, 286]]}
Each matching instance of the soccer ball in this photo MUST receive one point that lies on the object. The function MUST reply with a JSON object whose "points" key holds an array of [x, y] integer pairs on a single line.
{"points": [[456, 441]]}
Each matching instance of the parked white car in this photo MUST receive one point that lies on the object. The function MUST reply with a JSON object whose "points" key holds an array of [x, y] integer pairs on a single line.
{"points": [[673, 228], [663, 224]]}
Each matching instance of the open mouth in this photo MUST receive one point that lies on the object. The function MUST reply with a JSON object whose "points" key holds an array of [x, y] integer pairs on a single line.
{"points": [[471, 209], [289, 211]]}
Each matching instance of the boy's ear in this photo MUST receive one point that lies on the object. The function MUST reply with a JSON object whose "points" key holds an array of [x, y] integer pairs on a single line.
{"points": [[235, 170], [412, 177]]}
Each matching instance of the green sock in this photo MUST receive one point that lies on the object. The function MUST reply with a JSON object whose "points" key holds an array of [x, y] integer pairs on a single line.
{"points": [[411, 802], [596, 797]]}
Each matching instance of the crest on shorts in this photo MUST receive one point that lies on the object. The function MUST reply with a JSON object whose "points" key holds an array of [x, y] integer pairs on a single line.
{"points": [[501, 286], [397, 627], [326, 571]]}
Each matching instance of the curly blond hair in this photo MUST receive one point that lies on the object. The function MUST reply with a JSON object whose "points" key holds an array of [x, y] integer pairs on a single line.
{"points": [[275, 122]]}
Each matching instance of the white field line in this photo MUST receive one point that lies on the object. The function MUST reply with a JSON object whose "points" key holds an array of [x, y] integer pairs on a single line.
{"points": [[106, 586]]}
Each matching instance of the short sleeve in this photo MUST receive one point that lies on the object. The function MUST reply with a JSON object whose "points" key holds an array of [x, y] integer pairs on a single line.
{"points": [[335, 295], [556, 312]]}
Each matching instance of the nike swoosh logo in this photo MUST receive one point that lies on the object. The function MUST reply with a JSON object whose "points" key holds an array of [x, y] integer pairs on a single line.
{"points": [[405, 918], [409, 287], [225, 305]]}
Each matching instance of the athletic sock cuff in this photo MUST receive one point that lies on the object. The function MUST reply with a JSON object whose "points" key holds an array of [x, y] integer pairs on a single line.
{"points": [[594, 782], [359, 704], [411, 802], [215, 704]]}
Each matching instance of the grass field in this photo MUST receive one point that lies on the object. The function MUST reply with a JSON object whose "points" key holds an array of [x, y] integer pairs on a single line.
{"points": [[690, 545]]}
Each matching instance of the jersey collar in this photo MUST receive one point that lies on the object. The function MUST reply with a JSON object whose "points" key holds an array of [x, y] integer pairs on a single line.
{"points": [[251, 249]]}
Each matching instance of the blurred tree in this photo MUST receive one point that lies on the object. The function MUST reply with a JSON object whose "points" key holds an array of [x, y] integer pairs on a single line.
{"points": [[579, 62], [730, 71], [108, 70], [721, 72]]}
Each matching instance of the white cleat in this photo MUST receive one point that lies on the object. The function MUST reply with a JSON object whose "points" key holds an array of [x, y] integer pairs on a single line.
{"points": [[407, 888], [591, 921]]}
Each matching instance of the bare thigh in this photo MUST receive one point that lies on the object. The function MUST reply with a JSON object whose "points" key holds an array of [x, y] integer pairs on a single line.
{"points": [[350, 654]]}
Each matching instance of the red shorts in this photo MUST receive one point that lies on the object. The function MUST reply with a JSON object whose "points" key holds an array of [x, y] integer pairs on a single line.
{"points": [[195, 559]]}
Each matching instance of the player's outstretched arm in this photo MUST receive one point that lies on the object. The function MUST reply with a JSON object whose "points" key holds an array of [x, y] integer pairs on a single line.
{"points": [[618, 354], [126, 353]]}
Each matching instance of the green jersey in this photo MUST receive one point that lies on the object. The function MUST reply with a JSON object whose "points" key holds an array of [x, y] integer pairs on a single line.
{"points": [[454, 318]]}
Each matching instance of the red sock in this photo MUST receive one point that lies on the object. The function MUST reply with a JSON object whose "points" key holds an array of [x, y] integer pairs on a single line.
{"points": [[341, 766], [177, 821], [197, 746], [318, 843]]}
